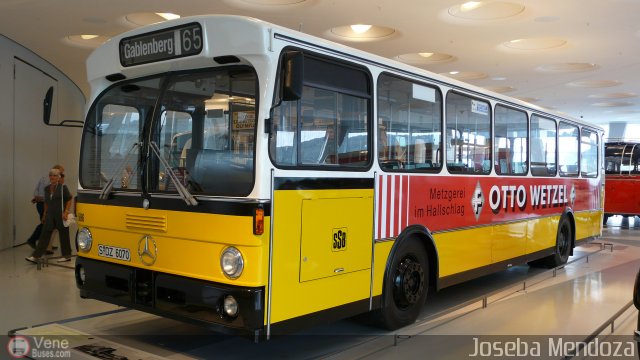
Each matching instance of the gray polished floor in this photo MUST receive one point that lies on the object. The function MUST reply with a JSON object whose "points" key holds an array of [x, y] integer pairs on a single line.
{"points": [[525, 303]]}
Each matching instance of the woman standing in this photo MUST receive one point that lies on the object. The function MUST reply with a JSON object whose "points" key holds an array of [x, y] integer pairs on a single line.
{"points": [[57, 203]]}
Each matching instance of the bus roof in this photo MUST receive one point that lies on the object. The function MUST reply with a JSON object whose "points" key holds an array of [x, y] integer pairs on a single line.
{"points": [[252, 36]]}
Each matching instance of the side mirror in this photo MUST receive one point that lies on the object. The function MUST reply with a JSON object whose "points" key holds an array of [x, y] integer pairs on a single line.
{"points": [[47, 104], [293, 76], [291, 80], [48, 101]]}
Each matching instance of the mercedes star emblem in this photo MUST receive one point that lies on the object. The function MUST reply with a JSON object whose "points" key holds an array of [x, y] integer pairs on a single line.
{"points": [[147, 250]]}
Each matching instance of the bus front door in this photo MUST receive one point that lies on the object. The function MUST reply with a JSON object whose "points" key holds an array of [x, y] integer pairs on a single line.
{"points": [[321, 259]]}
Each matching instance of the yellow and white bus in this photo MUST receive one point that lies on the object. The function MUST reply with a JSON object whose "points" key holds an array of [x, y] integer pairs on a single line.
{"points": [[256, 180]]}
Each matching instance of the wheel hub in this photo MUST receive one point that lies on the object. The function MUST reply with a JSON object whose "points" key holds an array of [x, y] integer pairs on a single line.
{"points": [[408, 283]]}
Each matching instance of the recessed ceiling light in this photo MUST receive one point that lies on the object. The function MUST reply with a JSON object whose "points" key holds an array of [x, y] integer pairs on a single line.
{"points": [[567, 67], [612, 104], [425, 58], [141, 19], [617, 95], [533, 44], [500, 89], [362, 32], [360, 28], [465, 75], [470, 5], [528, 99], [594, 83], [268, 5], [168, 16], [85, 41], [272, 2], [484, 11]]}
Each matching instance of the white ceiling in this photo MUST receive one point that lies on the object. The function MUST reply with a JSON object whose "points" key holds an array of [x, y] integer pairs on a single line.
{"points": [[588, 42]]}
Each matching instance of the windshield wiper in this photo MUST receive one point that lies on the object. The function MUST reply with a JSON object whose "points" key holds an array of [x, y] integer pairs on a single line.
{"points": [[106, 189], [182, 190]]}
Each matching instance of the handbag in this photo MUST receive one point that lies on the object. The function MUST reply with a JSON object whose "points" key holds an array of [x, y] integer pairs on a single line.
{"points": [[71, 219]]}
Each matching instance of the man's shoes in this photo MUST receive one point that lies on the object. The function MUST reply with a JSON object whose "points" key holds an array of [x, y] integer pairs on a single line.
{"points": [[64, 259], [32, 259]]}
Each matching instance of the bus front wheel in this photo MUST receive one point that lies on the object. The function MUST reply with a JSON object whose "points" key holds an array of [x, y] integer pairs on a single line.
{"points": [[564, 239], [405, 286]]}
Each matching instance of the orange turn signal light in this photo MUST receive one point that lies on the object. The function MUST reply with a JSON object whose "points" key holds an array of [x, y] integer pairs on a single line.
{"points": [[258, 221]]}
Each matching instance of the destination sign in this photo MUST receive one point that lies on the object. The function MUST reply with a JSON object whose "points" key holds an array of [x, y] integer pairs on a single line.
{"points": [[176, 42]]}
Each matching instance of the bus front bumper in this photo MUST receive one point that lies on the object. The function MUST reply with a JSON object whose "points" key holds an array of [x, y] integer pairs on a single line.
{"points": [[181, 298]]}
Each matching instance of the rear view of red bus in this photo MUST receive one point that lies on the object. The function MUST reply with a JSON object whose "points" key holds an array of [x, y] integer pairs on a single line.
{"points": [[622, 179]]}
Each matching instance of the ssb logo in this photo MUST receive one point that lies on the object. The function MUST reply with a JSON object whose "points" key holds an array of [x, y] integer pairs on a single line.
{"points": [[339, 239]]}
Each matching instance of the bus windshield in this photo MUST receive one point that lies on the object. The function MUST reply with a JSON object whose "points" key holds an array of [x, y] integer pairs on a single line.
{"points": [[202, 123], [622, 158]]}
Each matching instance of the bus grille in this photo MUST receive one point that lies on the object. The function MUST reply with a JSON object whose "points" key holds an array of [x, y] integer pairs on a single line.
{"points": [[158, 223]]}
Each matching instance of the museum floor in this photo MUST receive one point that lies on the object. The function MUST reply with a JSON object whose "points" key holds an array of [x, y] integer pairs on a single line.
{"points": [[526, 306]]}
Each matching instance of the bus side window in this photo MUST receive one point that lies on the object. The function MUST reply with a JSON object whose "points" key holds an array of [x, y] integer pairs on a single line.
{"points": [[334, 110], [511, 138], [543, 146], [589, 153], [468, 134], [568, 143], [409, 125]]}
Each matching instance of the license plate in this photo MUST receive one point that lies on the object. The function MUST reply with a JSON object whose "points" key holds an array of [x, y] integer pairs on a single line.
{"points": [[114, 252]]}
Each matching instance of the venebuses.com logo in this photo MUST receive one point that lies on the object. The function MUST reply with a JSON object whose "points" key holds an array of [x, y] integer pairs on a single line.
{"points": [[38, 347], [18, 347]]}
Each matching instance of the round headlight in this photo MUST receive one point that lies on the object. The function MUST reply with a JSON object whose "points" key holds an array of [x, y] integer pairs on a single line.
{"points": [[84, 239], [231, 262], [230, 306]]}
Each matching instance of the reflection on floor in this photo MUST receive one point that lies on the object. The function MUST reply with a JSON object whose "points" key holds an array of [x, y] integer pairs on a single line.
{"points": [[571, 305], [624, 222]]}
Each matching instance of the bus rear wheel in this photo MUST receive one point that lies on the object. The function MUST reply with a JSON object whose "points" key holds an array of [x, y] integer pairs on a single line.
{"points": [[405, 286]]}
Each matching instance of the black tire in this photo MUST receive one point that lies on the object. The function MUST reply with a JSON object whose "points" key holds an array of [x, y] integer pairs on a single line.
{"points": [[405, 287], [564, 240], [605, 218]]}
